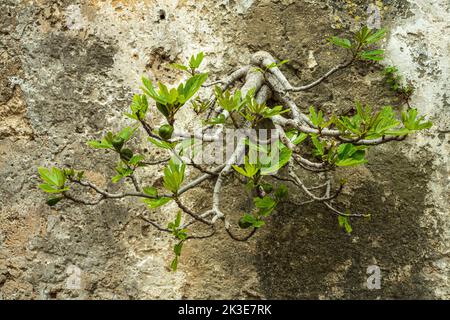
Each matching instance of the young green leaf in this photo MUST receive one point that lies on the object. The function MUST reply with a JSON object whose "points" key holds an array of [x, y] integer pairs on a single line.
{"points": [[296, 137], [174, 264], [138, 107], [53, 177], [374, 55], [122, 171], [350, 155], [179, 67], [178, 219], [319, 145], [162, 144], [278, 157], [344, 223], [316, 117], [157, 202], [265, 205], [281, 192], [136, 160], [99, 144], [271, 112], [151, 191], [190, 88], [52, 189], [126, 133], [258, 223], [177, 248], [174, 175], [340, 42], [412, 122], [196, 61], [249, 170], [220, 119], [375, 36]]}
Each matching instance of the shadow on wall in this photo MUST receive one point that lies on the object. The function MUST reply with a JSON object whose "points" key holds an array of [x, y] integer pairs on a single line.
{"points": [[304, 255]]}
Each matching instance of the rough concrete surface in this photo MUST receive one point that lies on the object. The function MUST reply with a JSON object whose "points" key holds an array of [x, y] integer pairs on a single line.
{"points": [[68, 71]]}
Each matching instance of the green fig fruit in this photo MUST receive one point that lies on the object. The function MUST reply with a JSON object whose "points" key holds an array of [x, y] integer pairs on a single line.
{"points": [[165, 131], [126, 154]]}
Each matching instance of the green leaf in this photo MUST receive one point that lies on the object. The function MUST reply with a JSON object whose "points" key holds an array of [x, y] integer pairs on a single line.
{"points": [[271, 112], [178, 219], [249, 170], [174, 175], [177, 248], [80, 175], [249, 218], [275, 64], [258, 223], [151, 191], [163, 109], [376, 36], [296, 137], [149, 90], [138, 107], [265, 204], [412, 122], [255, 222], [122, 171], [196, 61], [316, 118], [181, 234], [281, 192], [116, 178], [358, 124], [179, 67], [60, 176], [317, 144], [279, 64], [53, 177], [344, 223], [374, 55], [267, 187], [158, 202], [174, 264], [241, 171], [126, 133], [52, 189], [53, 201], [362, 34], [270, 66], [220, 119], [192, 85], [47, 176], [278, 158], [136, 160], [99, 144], [162, 144], [340, 42], [350, 155], [228, 101]]}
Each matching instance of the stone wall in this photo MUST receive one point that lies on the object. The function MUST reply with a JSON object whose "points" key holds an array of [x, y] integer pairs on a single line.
{"points": [[68, 71]]}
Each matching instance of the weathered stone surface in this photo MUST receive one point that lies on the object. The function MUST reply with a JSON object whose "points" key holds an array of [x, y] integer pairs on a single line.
{"points": [[68, 71]]}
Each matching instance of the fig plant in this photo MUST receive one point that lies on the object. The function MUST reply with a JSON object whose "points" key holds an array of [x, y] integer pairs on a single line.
{"points": [[304, 139]]}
